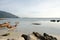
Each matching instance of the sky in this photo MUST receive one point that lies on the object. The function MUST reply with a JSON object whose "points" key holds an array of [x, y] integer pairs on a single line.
{"points": [[32, 8]]}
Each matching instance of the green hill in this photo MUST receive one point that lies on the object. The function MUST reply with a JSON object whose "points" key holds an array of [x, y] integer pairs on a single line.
{"points": [[4, 14]]}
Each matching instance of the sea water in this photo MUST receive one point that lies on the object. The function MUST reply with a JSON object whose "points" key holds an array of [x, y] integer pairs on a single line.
{"points": [[26, 25]]}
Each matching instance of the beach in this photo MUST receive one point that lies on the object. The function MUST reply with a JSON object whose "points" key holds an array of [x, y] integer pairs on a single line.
{"points": [[17, 36], [25, 26]]}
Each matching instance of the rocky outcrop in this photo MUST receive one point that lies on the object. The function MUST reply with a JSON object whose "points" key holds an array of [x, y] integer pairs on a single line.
{"points": [[32, 36], [37, 36], [49, 37], [58, 20], [53, 20], [25, 36]]}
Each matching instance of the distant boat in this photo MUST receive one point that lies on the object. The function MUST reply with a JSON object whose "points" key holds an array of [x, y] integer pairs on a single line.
{"points": [[36, 23]]}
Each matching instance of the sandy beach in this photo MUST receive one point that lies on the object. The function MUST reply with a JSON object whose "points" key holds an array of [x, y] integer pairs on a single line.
{"points": [[25, 27], [17, 36], [13, 35]]}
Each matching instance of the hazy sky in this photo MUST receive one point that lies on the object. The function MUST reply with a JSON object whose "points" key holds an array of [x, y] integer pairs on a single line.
{"points": [[31, 8]]}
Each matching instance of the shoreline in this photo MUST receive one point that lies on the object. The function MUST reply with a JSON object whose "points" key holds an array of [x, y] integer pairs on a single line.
{"points": [[17, 36]]}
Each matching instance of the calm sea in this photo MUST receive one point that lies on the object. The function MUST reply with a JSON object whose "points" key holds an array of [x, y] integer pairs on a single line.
{"points": [[25, 25]]}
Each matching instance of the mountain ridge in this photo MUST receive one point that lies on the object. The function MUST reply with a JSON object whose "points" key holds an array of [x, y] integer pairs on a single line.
{"points": [[4, 14]]}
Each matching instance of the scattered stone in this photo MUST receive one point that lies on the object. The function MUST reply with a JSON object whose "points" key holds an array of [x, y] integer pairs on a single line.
{"points": [[55, 20], [8, 39], [36, 34], [24, 36], [52, 20], [58, 20], [6, 34], [49, 37], [45, 36], [39, 36]]}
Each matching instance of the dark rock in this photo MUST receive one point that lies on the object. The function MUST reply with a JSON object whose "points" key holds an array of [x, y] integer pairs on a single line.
{"points": [[49, 37], [24, 36], [6, 34], [39, 36], [58, 20], [55, 38], [8, 39], [45, 34], [52, 20]]}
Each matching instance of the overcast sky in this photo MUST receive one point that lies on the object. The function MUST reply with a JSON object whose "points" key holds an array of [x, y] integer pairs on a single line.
{"points": [[32, 8]]}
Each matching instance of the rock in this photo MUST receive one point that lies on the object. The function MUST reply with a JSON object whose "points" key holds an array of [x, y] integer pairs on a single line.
{"points": [[39, 36], [45, 34], [55, 38], [8, 39], [6, 34], [49, 37], [24, 36], [32, 37], [36, 34], [58, 20], [52, 20]]}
